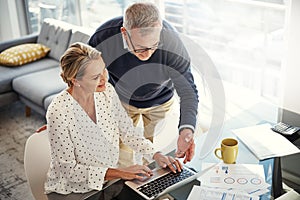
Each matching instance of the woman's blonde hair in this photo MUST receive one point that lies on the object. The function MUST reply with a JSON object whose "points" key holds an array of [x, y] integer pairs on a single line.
{"points": [[75, 60]]}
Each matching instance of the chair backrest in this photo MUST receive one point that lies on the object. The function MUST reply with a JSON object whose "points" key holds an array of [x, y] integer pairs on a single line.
{"points": [[36, 163]]}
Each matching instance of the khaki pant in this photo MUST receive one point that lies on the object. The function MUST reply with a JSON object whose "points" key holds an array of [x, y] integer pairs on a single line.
{"points": [[151, 117]]}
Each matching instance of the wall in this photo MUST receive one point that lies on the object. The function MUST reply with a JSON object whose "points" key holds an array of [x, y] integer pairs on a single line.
{"points": [[9, 24], [291, 68]]}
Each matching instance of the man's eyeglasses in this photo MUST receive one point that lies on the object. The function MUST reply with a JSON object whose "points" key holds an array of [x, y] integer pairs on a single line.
{"points": [[142, 50]]}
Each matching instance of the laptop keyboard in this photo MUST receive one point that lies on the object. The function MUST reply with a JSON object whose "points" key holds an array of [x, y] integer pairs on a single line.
{"points": [[158, 185]]}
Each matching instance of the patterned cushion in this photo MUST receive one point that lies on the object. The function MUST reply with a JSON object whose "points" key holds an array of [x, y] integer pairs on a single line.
{"points": [[22, 54]]}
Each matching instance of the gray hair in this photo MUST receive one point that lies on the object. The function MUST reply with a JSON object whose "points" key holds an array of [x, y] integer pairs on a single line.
{"points": [[142, 15]]}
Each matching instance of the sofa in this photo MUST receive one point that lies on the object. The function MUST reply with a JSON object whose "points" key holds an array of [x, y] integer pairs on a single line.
{"points": [[37, 82]]}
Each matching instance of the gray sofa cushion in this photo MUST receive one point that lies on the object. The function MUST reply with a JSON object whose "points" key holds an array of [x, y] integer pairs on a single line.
{"points": [[48, 81], [7, 74], [78, 36], [48, 100], [55, 35]]}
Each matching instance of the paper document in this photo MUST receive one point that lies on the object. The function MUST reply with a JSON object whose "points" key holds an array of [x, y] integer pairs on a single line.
{"points": [[265, 143], [206, 193], [246, 177]]}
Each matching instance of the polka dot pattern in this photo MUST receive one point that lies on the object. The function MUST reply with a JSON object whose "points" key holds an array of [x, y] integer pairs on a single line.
{"points": [[81, 150], [22, 54]]}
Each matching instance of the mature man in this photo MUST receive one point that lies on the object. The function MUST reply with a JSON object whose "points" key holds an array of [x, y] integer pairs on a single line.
{"points": [[147, 62]]}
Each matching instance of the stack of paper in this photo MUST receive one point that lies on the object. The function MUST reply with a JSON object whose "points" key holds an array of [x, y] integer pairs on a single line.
{"points": [[206, 193], [242, 179], [265, 143]]}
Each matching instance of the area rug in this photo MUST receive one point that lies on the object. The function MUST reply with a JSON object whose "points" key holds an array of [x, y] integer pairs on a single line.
{"points": [[15, 128]]}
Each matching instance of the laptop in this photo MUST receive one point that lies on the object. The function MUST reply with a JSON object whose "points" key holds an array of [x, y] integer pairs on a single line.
{"points": [[163, 181]]}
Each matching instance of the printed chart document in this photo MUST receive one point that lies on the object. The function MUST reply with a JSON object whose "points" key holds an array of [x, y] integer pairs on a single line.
{"points": [[206, 193], [265, 143], [248, 178]]}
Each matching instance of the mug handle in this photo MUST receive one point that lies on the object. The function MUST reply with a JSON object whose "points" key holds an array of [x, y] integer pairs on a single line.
{"points": [[216, 150]]}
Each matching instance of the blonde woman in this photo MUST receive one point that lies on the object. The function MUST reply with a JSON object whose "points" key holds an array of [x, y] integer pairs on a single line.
{"points": [[85, 127]]}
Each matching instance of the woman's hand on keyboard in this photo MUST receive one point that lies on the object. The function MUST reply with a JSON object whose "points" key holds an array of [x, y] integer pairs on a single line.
{"points": [[139, 172], [168, 161]]}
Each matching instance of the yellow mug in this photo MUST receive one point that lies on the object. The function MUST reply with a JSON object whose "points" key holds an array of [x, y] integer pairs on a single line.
{"points": [[229, 150]]}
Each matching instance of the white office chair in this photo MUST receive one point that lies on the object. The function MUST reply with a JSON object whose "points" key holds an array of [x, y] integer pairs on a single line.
{"points": [[36, 163]]}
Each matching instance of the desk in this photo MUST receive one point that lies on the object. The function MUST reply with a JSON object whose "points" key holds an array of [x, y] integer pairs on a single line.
{"points": [[250, 117], [260, 113], [244, 156]]}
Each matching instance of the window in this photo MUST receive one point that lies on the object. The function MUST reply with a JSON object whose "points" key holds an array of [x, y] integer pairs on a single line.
{"points": [[87, 13], [244, 38]]}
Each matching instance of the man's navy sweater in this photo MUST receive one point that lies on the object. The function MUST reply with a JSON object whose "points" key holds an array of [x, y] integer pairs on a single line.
{"points": [[149, 83]]}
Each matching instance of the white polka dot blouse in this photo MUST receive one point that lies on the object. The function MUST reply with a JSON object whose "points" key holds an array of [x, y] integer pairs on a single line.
{"points": [[81, 150]]}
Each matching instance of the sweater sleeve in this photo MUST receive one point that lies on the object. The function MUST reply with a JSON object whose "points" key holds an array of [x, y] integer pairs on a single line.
{"points": [[179, 69]]}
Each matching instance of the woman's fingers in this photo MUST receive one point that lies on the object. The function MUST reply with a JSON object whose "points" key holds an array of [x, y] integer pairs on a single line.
{"points": [[178, 165], [174, 164], [143, 170], [168, 161], [143, 173]]}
